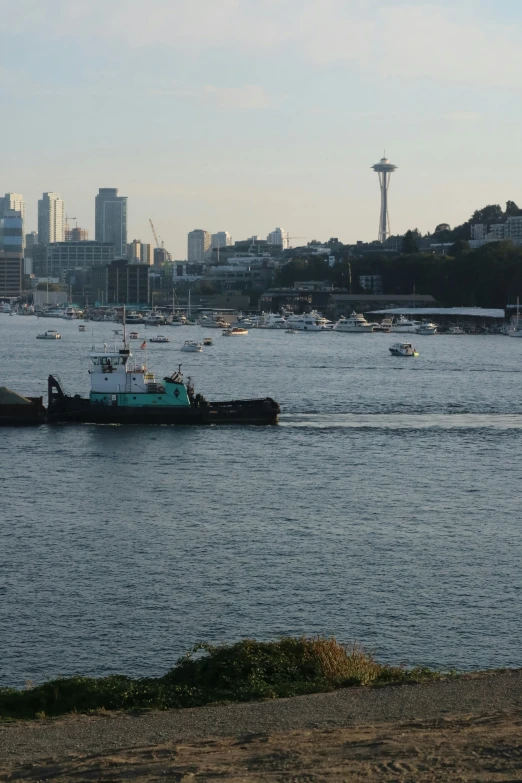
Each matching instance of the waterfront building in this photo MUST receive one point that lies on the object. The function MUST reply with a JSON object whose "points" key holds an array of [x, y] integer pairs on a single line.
{"points": [[51, 219], [120, 283], [11, 273], [76, 234], [199, 246], [221, 239], [278, 237], [56, 259], [111, 219], [31, 240]]}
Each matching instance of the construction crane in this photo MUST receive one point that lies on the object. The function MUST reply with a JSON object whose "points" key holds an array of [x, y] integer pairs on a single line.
{"points": [[289, 239], [155, 235]]}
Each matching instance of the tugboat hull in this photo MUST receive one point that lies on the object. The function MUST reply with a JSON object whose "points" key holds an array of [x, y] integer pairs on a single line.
{"points": [[64, 408]]}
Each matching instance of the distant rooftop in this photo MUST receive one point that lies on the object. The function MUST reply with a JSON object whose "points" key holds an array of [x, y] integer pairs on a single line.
{"points": [[476, 312]]}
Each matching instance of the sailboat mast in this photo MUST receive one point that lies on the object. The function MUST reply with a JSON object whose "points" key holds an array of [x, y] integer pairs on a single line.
{"points": [[124, 331]]}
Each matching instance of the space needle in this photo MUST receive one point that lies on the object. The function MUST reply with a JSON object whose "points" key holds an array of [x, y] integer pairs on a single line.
{"points": [[384, 169]]}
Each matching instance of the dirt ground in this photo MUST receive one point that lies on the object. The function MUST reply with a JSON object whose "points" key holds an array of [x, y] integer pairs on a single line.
{"points": [[479, 748], [466, 730]]}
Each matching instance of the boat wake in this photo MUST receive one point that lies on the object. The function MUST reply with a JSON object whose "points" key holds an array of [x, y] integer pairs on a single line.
{"points": [[403, 421]]}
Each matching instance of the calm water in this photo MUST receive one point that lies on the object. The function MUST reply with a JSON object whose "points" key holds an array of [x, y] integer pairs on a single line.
{"points": [[385, 507]]}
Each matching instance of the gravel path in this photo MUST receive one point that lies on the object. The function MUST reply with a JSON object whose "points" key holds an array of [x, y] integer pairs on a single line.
{"points": [[29, 742]]}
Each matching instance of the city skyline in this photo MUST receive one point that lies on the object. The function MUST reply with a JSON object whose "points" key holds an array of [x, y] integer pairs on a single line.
{"points": [[298, 114]]}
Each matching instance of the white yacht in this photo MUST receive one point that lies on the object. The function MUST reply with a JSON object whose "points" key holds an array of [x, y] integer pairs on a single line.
{"points": [[385, 325], [191, 346], [308, 322], [273, 321], [153, 319], [403, 349], [405, 325], [52, 334], [426, 327], [356, 323]]}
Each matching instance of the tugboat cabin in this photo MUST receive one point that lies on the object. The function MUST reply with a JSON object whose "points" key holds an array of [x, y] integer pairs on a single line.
{"points": [[116, 379]]}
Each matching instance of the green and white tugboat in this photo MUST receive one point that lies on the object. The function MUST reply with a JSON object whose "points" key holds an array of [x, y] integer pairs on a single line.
{"points": [[124, 391]]}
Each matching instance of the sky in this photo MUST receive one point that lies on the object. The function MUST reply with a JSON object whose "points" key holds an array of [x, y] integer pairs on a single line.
{"points": [[244, 115]]}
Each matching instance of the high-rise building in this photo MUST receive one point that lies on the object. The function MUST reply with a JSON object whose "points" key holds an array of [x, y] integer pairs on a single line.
{"points": [[51, 219], [221, 239], [139, 252], [278, 237], [199, 243], [13, 201], [76, 234], [12, 231], [111, 219], [161, 256]]}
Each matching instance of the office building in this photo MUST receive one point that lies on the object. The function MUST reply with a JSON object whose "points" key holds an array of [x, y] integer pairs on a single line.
{"points": [[56, 259], [13, 201], [278, 237], [120, 283], [11, 273], [76, 234], [111, 219], [199, 246], [51, 219], [221, 239], [12, 231]]}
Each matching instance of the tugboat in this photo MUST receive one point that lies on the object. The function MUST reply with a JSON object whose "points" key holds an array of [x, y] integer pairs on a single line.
{"points": [[124, 391]]}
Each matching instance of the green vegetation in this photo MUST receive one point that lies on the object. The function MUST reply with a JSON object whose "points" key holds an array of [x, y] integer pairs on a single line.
{"points": [[245, 671]]}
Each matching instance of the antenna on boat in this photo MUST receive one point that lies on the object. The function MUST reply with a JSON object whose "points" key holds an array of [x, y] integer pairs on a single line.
{"points": [[124, 331]]}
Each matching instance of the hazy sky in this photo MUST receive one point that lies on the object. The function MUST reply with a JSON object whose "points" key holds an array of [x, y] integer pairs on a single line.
{"points": [[244, 115]]}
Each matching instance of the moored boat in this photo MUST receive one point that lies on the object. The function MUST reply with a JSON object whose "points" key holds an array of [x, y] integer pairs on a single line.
{"points": [[160, 338]]}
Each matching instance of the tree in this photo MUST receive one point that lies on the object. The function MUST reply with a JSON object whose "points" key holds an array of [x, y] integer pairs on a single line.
{"points": [[442, 227], [512, 210], [409, 242], [492, 213], [459, 247]]}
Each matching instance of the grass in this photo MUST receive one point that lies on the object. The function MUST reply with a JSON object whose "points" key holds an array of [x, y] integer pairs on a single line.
{"points": [[246, 671]]}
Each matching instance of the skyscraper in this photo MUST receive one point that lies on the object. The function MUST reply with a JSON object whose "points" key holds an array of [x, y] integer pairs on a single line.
{"points": [[51, 219], [111, 220], [199, 242], [13, 201]]}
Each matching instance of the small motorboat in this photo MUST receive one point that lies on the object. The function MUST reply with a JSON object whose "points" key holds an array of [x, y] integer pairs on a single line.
{"points": [[82, 328], [208, 341], [159, 339], [455, 330], [403, 349], [233, 331], [134, 336], [192, 346], [52, 334], [290, 331]]}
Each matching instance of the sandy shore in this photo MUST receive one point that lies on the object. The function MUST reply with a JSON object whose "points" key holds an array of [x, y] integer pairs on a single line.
{"points": [[468, 729]]}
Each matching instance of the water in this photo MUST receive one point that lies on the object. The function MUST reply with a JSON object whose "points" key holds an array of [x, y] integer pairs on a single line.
{"points": [[384, 508]]}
